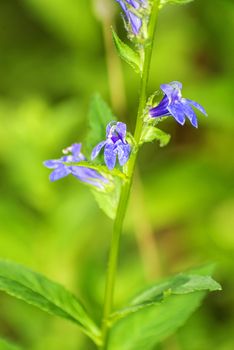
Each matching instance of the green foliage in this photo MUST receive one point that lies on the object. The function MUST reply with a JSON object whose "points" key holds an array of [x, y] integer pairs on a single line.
{"points": [[45, 85], [108, 201], [151, 133], [159, 311], [61, 18], [48, 296], [107, 197], [5, 345], [179, 2], [99, 116], [127, 53]]}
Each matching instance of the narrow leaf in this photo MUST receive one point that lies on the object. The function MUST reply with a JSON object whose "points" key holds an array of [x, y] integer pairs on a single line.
{"points": [[159, 311], [150, 133], [37, 290], [127, 53]]}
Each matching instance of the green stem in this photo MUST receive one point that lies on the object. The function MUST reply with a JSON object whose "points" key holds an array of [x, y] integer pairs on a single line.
{"points": [[125, 191]]}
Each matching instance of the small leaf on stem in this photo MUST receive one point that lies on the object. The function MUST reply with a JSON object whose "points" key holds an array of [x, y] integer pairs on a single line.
{"points": [[178, 2], [127, 53], [151, 133]]}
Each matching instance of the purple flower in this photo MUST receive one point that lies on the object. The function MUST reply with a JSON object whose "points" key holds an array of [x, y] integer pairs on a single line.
{"points": [[175, 105], [114, 145], [132, 18], [62, 168]]}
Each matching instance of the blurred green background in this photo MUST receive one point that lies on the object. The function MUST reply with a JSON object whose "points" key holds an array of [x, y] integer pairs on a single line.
{"points": [[53, 57]]}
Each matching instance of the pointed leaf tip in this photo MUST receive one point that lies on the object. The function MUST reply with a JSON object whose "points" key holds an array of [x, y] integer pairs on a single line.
{"points": [[151, 133], [160, 310], [35, 289], [127, 53]]}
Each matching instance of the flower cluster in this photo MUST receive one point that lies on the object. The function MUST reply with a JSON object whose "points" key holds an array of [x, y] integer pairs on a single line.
{"points": [[132, 11], [62, 167], [173, 104], [115, 145]]}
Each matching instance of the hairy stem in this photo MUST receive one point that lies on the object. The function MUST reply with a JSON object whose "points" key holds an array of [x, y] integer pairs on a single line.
{"points": [[123, 201]]}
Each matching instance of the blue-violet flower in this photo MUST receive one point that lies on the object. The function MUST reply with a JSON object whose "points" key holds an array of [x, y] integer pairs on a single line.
{"points": [[114, 145], [130, 8], [175, 105], [62, 168]]}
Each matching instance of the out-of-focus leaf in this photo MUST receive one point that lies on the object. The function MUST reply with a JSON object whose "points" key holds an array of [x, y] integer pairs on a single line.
{"points": [[107, 197], [49, 296], [161, 310], [126, 53], [150, 133], [108, 201], [99, 116], [180, 2], [68, 19], [5, 345]]}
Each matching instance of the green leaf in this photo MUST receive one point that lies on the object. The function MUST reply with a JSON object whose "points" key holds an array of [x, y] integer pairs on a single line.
{"points": [[37, 290], [150, 133], [127, 53], [5, 345], [108, 201], [179, 2], [159, 311], [107, 197], [99, 116]]}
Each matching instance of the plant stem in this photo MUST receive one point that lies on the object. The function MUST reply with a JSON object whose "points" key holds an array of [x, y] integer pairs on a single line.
{"points": [[125, 191]]}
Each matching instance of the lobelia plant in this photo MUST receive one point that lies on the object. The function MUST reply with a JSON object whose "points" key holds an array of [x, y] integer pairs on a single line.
{"points": [[159, 310]]}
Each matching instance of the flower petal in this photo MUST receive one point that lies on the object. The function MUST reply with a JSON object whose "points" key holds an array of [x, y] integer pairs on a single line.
{"points": [[110, 154], [60, 172], [133, 3], [76, 152], [197, 105], [108, 128], [121, 129], [97, 149], [69, 159], [177, 112], [89, 176], [161, 109], [189, 112], [123, 153], [123, 5], [135, 22], [172, 90], [52, 163], [76, 149]]}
